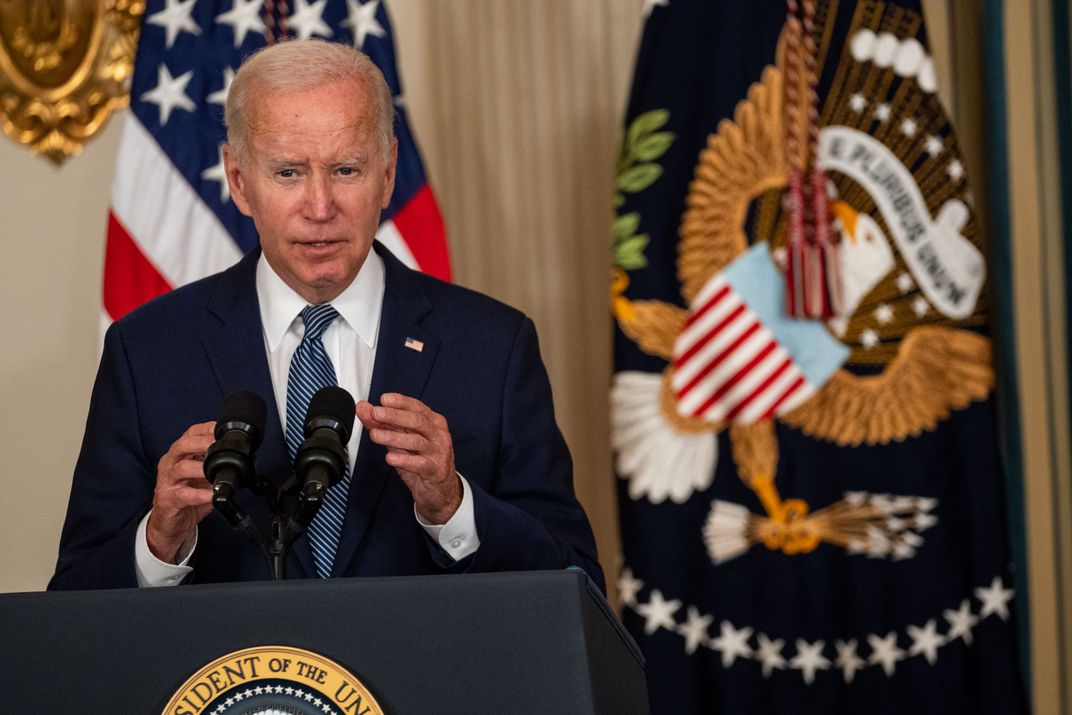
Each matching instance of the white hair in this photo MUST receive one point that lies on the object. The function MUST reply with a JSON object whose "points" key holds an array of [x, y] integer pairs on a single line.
{"points": [[296, 65]]}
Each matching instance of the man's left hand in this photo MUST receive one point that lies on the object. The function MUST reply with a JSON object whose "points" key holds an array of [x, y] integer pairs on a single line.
{"points": [[420, 449]]}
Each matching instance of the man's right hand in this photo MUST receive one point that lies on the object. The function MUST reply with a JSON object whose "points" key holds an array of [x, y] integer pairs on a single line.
{"points": [[183, 497]]}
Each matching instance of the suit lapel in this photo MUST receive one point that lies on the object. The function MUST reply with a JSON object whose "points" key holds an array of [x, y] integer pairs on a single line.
{"points": [[234, 340], [405, 353]]}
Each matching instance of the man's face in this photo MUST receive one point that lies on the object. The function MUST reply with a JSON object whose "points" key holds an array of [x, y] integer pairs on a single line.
{"points": [[314, 180]]}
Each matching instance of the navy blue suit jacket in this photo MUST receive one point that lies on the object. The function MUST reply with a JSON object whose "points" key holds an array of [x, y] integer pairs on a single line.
{"points": [[170, 363]]}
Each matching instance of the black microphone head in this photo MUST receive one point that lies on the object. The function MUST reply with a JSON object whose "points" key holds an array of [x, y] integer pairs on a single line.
{"points": [[331, 407], [243, 411]]}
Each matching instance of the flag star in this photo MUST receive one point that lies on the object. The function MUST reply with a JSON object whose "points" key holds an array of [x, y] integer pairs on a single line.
{"points": [[307, 19], [883, 314], [175, 18], [884, 652], [229, 702], [933, 145], [869, 338], [318, 702], [244, 17], [961, 622], [362, 21], [658, 612], [809, 658], [288, 690], [650, 5], [995, 599], [279, 690], [882, 112], [908, 127], [857, 103], [628, 587], [905, 283], [925, 640], [920, 306], [732, 643], [847, 659], [769, 653], [219, 173], [955, 170], [258, 690], [308, 697], [694, 629], [169, 93], [220, 96]]}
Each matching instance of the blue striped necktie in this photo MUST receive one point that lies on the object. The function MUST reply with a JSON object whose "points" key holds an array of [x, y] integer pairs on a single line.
{"points": [[310, 370]]}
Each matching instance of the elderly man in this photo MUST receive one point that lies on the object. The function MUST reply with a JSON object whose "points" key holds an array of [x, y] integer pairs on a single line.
{"points": [[456, 464]]}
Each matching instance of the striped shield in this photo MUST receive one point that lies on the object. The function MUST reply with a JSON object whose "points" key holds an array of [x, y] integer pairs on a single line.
{"points": [[739, 357]]}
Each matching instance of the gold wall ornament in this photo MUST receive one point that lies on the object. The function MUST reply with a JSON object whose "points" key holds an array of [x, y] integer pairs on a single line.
{"points": [[65, 65]]}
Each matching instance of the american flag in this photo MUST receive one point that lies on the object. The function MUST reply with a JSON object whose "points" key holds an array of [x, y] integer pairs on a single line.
{"points": [[739, 357], [171, 220]]}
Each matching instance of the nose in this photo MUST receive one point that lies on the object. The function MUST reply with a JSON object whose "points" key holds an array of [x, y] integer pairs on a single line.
{"points": [[319, 201]]}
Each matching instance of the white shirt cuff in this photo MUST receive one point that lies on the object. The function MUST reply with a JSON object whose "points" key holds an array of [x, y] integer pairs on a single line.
{"points": [[153, 572], [458, 536]]}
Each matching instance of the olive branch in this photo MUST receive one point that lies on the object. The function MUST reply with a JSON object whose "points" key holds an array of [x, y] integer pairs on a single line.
{"points": [[636, 171]]}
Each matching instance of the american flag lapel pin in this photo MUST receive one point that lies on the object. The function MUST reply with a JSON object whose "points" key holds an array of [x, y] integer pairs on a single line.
{"points": [[414, 344]]}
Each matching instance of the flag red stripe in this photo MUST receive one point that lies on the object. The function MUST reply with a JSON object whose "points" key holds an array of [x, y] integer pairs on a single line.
{"points": [[785, 396], [717, 360], [712, 301], [130, 278], [735, 378], [421, 225], [759, 390], [698, 345]]}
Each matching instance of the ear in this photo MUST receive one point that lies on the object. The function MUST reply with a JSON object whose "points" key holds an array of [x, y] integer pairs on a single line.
{"points": [[236, 180], [390, 169]]}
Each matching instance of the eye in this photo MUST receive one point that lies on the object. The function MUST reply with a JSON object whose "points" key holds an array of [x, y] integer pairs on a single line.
{"points": [[347, 171], [286, 173]]}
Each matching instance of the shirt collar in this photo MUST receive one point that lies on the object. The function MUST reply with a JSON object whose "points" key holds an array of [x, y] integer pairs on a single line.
{"points": [[359, 305]]}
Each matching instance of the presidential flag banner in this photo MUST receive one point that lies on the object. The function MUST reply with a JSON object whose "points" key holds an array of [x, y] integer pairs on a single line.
{"points": [[171, 220], [802, 414]]}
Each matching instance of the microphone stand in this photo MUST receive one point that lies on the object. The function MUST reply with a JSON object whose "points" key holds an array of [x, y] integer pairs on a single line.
{"points": [[283, 529]]}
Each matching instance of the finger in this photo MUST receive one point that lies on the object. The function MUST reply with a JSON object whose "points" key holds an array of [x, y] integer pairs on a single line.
{"points": [[194, 441], [189, 470], [412, 442], [201, 428], [428, 468], [422, 420], [187, 496], [363, 409]]}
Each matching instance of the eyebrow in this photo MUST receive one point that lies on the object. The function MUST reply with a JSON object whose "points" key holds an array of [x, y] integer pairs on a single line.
{"points": [[282, 163]]}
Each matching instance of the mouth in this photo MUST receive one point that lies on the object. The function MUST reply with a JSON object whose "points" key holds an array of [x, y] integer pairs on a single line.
{"points": [[317, 245]]}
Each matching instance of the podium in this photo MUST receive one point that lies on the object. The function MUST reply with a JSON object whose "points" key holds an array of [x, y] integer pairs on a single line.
{"points": [[530, 642]]}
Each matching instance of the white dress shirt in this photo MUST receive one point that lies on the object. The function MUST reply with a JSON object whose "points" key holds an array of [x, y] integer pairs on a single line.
{"points": [[350, 342]]}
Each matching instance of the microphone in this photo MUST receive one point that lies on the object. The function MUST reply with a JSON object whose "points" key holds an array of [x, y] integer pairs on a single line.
{"points": [[321, 460], [229, 461]]}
